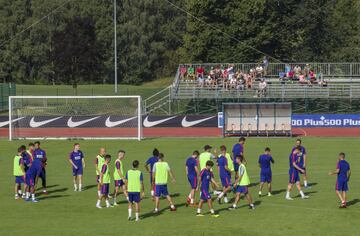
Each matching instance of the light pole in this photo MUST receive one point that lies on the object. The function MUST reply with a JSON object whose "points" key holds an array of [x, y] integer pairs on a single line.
{"points": [[115, 49]]}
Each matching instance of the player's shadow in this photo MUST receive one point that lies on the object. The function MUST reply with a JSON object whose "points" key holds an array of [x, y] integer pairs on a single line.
{"points": [[53, 196], [277, 192], [59, 190], [307, 193], [50, 186], [353, 202], [312, 184], [254, 184], [122, 202], [256, 203], [89, 187], [151, 214]]}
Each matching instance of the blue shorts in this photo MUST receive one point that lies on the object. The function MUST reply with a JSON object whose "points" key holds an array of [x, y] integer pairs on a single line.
{"points": [[78, 171], [205, 195], [30, 180], [134, 197], [98, 179], [119, 183], [161, 190], [265, 177], [236, 167], [225, 181], [193, 181], [242, 189], [19, 179], [105, 189], [341, 185], [294, 176]]}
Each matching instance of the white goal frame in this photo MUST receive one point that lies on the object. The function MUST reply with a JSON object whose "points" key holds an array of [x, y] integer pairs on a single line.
{"points": [[139, 114]]}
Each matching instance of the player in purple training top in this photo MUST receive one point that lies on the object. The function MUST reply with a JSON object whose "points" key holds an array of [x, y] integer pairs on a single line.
{"points": [[40, 159], [343, 177], [294, 174], [77, 161], [302, 161], [225, 175], [192, 174], [150, 162], [265, 161], [206, 177], [238, 150]]}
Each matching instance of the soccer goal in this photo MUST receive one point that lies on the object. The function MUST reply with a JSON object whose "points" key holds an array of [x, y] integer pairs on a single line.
{"points": [[75, 117], [258, 119]]}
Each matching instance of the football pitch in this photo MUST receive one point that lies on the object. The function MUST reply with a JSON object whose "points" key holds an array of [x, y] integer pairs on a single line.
{"points": [[65, 212]]}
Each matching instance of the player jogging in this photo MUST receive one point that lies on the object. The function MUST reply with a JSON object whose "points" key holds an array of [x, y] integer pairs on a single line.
{"points": [[98, 163], [206, 177], [225, 174], [242, 183], [205, 157], [119, 175], [192, 174], [161, 171], [150, 162], [77, 161], [265, 161], [343, 177], [238, 149], [40, 154], [302, 161], [135, 186], [19, 173], [294, 174], [105, 182]]}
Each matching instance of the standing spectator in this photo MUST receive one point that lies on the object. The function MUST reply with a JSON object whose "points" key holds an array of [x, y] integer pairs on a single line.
{"points": [[259, 71], [190, 73], [297, 72], [265, 64], [230, 71], [200, 72], [262, 88], [182, 72]]}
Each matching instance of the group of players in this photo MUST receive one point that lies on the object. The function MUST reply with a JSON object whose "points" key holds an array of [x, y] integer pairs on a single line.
{"points": [[29, 166]]}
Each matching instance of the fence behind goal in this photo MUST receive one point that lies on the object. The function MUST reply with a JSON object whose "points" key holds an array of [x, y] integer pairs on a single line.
{"points": [[259, 119], [75, 117]]}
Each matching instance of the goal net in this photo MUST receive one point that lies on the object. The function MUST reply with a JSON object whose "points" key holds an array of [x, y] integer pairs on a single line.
{"points": [[75, 117], [259, 119]]}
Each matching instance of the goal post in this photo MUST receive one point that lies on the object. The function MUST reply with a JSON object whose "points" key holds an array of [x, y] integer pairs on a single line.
{"points": [[75, 117]]}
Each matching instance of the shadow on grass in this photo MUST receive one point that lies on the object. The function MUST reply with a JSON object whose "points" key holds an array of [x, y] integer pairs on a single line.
{"points": [[89, 187], [353, 202], [52, 197], [256, 203], [277, 192], [253, 184], [152, 214], [59, 190], [310, 193]]}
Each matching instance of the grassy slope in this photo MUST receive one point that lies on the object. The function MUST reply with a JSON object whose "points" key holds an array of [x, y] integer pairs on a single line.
{"points": [[68, 213], [145, 90]]}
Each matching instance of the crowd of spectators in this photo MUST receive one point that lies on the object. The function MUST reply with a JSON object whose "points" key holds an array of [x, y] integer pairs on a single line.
{"points": [[305, 75]]}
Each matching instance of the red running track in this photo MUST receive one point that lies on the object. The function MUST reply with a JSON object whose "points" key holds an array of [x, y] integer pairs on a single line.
{"points": [[168, 132]]}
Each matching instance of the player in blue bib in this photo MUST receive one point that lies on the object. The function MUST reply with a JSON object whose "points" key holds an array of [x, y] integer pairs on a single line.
{"points": [[77, 161], [302, 161], [225, 175], [265, 161], [238, 150], [149, 165], [192, 174], [206, 177], [40, 158], [343, 176], [294, 174]]}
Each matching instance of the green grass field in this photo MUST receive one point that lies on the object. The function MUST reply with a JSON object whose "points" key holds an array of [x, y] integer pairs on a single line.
{"points": [[64, 212]]}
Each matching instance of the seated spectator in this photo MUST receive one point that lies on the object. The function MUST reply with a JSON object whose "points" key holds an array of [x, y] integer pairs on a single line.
{"points": [[190, 73], [230, 71], [259, 71], [241, 83], [233, 82], [297, 72], [302, 79], [262, 88], [212, 72], [312, 77], [209, 81], [200, 72], [287, 69], [201, 81], [182, 72]]}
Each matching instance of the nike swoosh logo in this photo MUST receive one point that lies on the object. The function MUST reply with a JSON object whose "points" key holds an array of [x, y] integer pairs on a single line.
{"points": [[110, 123], [186, 123], [149, 124], [36, 124], [73, 124], [5, 123]]}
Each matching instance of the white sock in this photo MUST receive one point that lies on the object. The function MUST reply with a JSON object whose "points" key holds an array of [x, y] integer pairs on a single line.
{"points": [[137, 215], [27, 194], [234, 205], [192, 200], [189, 195], [226, 200], [198, 211], [75, 186], [19, 191], [99, 193], [212, 211], [305, 183], [172, 206], [152, 193], [127, 198], [80, 186], [33, 196], [260, 192], [221, 195], [129, 211], [115, 200], [107, 203], [287, 194], [301, 193]]}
